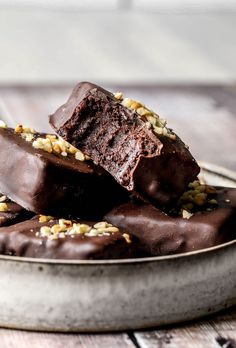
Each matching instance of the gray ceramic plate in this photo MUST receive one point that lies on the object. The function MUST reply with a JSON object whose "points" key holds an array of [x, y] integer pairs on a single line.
{"points": [[94, 296]]}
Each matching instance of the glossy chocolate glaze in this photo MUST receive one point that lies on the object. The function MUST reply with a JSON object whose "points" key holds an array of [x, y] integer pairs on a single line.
{"points": [[119, 140], [21, 240], [51, 184], [14, 214], [160, 234], [66, 111]]}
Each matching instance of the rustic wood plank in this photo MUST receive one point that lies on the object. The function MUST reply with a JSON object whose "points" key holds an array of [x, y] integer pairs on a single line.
{"points": [[22, 339], [194, 336], [225, 321], [31, 105], [225, 326], [219, 330], [226, 339], [181, 338]]}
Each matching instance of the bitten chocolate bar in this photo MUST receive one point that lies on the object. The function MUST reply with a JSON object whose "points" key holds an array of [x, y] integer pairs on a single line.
{"points": [[129, 141], [11, 212], [45, 237], [207, 222], [44, 174]]}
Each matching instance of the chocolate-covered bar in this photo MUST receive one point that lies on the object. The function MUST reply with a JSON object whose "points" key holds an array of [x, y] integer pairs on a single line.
{"points": [[159, 234], [11, 212], [44, 174], [45, 237], [128, 140]]}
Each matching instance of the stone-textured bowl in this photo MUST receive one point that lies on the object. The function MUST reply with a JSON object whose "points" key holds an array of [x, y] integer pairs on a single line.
{"points": [[80, 296]]}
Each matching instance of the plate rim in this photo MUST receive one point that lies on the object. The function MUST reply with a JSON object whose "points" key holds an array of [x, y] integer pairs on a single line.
{"points": [[139, 260], [220, 170], [213, 168]]}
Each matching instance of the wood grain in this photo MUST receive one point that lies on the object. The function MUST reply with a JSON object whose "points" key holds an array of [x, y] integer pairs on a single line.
{"points": [[178, 338], [192, 337], [22, 339], [217, 331]]}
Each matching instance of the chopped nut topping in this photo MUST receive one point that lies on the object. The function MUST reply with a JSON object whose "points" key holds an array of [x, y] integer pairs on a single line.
{"points": [[79, 155], [3, 124], [111, 229], [65, 223], [28, 136], [102, 224], [19, 128], [3, 207], [198, 196], [45, 218], [57, 145], [26, 132], [127, 237], [213, 201], [119, 96], [67, 228], [43, 144], [154, 122], [50, 143], [186, 214], [3, 198], [24, 129]]}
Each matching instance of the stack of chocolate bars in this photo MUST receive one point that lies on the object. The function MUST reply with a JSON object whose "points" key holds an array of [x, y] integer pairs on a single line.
{"points": [[113, 182]]}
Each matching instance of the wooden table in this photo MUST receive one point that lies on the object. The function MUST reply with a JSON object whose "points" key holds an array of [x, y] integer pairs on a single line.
{"points": [[205, 117]]}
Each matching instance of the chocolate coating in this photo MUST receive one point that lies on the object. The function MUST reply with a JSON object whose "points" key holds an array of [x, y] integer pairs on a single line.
{"points": [[14, 214], [160, 234], [21, 240], [119, 140], [51, 184]]}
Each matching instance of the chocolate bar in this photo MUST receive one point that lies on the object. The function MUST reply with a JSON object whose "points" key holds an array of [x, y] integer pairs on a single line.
{"points": [[46, 237], [209, 222], [129, 141], [44, 174], [11, 212]]}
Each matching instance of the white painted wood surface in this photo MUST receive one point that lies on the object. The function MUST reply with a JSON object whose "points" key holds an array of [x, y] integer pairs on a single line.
{"points": [[219, 331], [22, 339], [53, 44]]}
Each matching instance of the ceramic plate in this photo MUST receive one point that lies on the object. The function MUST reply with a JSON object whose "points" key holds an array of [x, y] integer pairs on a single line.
{"points": [[79, 296]]}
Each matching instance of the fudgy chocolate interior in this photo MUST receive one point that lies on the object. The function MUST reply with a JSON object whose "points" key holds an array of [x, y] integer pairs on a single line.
{"points": [[119, 140], [121, 143]]}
